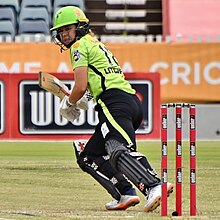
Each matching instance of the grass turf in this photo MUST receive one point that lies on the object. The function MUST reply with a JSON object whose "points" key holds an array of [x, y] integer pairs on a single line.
{"points": [[41, 180]]}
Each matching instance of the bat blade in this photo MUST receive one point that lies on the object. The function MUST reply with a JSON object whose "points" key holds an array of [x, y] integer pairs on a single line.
{"points": [[53, 85]]}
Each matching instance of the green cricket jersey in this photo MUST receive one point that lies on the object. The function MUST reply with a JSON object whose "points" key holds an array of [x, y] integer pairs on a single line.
{"points": [[104, 71]]}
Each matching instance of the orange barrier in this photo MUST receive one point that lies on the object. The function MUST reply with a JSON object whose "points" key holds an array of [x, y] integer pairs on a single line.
{"points": [[190, 72]]}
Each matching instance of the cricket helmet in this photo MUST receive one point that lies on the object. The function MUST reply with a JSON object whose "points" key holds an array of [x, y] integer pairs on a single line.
{"points": [[70, 15]]}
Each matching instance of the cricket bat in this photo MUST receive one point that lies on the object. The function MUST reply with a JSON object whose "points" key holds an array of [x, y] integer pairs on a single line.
{"points": [[53, 85]]}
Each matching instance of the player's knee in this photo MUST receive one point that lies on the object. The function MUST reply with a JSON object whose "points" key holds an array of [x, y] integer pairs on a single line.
{"points": [[81, 162]]}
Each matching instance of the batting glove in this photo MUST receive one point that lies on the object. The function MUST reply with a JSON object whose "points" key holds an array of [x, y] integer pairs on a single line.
{"points": [[68, 110], [83, 102]]}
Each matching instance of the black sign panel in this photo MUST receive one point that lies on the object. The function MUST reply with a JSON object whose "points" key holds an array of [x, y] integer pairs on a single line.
{"points": [[39, 111]]}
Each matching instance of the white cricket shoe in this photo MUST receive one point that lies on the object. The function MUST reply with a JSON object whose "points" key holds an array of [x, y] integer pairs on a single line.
{"points": [[125, 202], [154, 197]]}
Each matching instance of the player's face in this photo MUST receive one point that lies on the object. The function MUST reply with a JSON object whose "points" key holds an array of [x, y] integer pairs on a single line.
{"points": [[67, 33]]}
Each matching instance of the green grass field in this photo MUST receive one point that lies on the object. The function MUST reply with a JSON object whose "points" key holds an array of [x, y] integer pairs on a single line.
{"points": [[41, 180]]}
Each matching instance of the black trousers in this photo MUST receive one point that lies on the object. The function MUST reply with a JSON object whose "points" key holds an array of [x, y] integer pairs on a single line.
{"points": [[120, 114]]}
